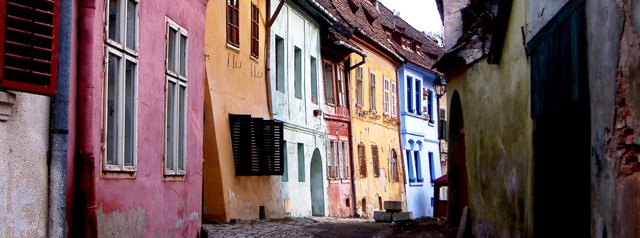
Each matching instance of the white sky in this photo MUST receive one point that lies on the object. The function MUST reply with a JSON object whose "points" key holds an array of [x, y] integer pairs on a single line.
{"points": [[421, 14]]}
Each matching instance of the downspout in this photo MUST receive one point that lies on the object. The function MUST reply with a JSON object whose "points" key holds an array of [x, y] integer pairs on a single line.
{"points": [[353, 173], [59, 127], [267, 47], [402, 154], [87, 133]]}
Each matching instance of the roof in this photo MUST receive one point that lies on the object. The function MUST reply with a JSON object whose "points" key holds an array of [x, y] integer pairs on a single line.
{"points": [[444, 179], [429, 51], [361, 18], [484, 29]]}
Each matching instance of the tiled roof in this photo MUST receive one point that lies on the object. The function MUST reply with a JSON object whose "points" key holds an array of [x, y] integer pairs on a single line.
{"points": [[429, 51], [361, 18]]}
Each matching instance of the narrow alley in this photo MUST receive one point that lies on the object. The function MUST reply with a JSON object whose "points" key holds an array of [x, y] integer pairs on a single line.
{"points": [[325, 227]]}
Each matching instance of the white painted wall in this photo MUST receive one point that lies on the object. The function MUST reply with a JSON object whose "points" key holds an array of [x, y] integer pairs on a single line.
{"points": [[301, 126], [24, 142]]}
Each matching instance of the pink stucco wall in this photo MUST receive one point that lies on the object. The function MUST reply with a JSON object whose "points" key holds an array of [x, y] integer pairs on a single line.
{"points": [[146, 204]]}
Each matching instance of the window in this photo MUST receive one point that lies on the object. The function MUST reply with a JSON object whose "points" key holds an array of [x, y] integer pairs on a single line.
{"points": [[301, 168], [297, 67], [328, 83], [412, 177], [176, 100], [409, 94], [443, 134], [340, 160], [331, 160], [29, 45], [418, 166], [285, 166], [233, 23], [430, 106], [314, 80], [341, 91], [121, 97], [386, 96], [375, 160], [258, 145], [280, 71], [372, 91], [359, 88], [394, 102], [345, 160], [393, 167], [255, 32], [418, 97], [362, 161], [432, 171]]}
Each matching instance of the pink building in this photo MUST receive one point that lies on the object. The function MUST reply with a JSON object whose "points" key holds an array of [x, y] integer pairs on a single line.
{"points": [[137, 168]]}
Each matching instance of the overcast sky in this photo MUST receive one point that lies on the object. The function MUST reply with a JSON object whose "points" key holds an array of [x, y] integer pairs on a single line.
{"points": [[421, 14]]}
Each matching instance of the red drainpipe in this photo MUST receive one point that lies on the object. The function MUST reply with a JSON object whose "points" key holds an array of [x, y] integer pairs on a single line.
{"points": [[86, 221]]}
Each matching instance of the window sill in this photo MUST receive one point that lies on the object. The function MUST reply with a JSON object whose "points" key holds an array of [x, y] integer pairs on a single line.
{"points": [[174, 177], [255, 59], [112, 174], [7, 100], [233, 47]]}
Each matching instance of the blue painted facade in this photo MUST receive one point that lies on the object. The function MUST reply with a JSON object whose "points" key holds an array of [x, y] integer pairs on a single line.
{"points": [[419, 136]]}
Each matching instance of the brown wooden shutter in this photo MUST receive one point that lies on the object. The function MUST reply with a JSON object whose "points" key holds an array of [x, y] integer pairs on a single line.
{"points": [[29, 45], [255, 33], [258, 145], [376, 162], [363, 162]]}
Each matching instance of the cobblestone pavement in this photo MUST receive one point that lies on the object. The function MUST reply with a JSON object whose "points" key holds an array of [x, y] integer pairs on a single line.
{"points": [[324, 227]]}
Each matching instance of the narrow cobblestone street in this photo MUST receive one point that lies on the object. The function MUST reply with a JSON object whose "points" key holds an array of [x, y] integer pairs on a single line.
{"points": [[323, 227]]}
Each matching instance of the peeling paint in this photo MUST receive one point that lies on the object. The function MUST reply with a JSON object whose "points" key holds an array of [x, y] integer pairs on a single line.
{"points": [[117, 224]]}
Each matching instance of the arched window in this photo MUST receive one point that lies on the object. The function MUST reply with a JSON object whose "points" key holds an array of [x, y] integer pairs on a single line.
{"points": [[393, 166]]}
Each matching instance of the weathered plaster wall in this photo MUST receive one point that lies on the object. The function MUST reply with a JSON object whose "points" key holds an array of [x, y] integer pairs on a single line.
{"points": [[298, 30], [453, 22], [414, 129], [614, 69], [235, 85], [498, 127], [23, 164], [539, 13], [369, 129], [146, 199]]}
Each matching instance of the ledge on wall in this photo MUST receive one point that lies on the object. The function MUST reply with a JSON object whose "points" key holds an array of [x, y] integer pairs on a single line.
{"points": [[7, 100]]}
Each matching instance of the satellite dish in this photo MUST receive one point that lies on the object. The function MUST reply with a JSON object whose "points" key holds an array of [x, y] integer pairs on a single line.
{"points": [[397, 14]]}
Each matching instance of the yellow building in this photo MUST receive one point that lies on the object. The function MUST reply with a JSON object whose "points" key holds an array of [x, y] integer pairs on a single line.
{"points": [[235, 84], [375, 137]]}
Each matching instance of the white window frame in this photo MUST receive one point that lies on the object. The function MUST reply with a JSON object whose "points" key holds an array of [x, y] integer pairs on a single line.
{"points": [[372, 89], [359, 87], [126, 54], [180, 81], [394, 101], [386, 96], [120, 121], [123, 30], [341, 86], [345, 159]]}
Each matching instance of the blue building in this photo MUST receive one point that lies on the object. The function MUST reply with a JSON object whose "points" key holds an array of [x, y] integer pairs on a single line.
{"points": [[419, 120]]}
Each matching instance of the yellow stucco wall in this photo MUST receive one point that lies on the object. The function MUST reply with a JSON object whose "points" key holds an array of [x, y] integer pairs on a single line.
{"points": [[235, 84], [369, 130], [498, 136]]}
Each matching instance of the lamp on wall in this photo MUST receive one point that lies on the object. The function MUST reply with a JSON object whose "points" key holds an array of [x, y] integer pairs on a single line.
{"points": [[440, 86]]}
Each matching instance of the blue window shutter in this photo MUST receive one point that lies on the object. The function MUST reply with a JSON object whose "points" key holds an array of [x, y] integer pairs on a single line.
{"points": [[431, 168], [409, 93], [410, 167], [430, 106], [418, 98], [418, 167]]}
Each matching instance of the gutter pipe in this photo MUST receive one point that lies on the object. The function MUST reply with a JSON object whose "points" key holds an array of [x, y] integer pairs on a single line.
{"points": [[88, 134], [59, 127]]}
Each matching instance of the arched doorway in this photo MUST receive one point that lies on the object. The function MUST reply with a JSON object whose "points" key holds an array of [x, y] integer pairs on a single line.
{"points": [[457, 165], [316, 183]]}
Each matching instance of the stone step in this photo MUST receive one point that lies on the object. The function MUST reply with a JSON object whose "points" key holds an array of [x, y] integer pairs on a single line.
{"points": [[393, 206]]}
